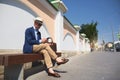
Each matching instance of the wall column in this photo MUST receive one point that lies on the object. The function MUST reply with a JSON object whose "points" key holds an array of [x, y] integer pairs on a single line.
{"points": [[59, 30], [77, 38]]}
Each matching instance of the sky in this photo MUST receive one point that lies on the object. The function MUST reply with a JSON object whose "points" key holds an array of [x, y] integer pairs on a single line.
{"points": [[105, 12]]}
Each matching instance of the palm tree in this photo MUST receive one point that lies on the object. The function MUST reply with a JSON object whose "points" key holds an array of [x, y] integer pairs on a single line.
{"points": [[91, 32]]}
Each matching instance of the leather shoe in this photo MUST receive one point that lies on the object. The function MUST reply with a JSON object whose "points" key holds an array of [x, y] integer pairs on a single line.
{"points": [[55, 74], [63, 62]]}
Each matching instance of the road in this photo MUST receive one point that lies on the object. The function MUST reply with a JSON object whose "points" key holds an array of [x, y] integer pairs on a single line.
{"points": [[92, 66]]}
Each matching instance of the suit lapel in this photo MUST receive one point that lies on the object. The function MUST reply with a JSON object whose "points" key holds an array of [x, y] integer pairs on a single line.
{"points": [[33, 32]]}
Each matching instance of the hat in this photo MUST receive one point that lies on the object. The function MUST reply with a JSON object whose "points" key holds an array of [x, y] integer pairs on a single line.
{"points": [[38, 19]]}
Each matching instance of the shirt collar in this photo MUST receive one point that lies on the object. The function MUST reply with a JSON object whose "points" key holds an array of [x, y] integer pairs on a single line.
{"points": [[35, 28]]}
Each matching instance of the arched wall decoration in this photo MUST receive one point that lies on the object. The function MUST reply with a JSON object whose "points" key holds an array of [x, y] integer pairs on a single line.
{"points": [[68, 42]]}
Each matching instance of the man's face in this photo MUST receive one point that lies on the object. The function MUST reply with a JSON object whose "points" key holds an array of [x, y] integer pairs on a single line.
{"points": [[38, 24]]}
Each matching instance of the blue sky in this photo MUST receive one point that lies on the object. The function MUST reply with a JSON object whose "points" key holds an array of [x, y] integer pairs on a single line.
{"points": [[105, 12]]}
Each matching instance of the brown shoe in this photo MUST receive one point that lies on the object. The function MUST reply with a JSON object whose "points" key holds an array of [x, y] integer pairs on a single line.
{"points": [[54, 74], [63, 62]]}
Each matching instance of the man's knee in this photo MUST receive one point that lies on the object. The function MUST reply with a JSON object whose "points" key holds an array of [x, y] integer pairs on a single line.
{"points": [[43, 51]]}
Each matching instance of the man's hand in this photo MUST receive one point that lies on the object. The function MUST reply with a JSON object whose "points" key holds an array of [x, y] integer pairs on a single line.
{"points": [[44, 40]]}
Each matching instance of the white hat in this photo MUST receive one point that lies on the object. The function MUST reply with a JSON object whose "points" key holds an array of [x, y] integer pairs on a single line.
{"points": [[39, 19]]}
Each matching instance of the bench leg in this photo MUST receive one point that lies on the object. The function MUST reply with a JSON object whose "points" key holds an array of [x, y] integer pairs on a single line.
{"points": [[14, 72]]}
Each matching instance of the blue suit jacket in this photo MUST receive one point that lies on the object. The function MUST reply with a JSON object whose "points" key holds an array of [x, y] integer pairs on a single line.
{"points": [[30, 40]]}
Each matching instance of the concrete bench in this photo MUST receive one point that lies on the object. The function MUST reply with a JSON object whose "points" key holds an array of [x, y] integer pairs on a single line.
{"points": [[13, 63]]}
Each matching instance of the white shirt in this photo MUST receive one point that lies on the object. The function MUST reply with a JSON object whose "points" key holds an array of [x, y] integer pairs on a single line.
{"points": [[36, 34]]}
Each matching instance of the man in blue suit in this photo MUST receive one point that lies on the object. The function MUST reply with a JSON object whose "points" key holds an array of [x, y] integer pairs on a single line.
{"points": [[35, 44]]}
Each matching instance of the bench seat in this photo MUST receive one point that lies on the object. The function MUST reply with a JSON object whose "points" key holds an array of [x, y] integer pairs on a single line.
{"points": [[12, 59]]}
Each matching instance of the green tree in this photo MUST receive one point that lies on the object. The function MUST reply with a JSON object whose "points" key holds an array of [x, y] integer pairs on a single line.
{"points": [[91, 32]]}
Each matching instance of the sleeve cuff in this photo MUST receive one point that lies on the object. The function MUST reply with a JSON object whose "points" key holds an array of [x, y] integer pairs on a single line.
{"points": [[40, 41]]}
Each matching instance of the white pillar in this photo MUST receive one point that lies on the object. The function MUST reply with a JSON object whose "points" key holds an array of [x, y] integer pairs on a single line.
{"points": [[77, 42], [59, 30]]}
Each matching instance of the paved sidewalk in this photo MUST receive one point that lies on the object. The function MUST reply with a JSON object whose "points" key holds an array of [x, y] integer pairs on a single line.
{"points": [[93, 66]]}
